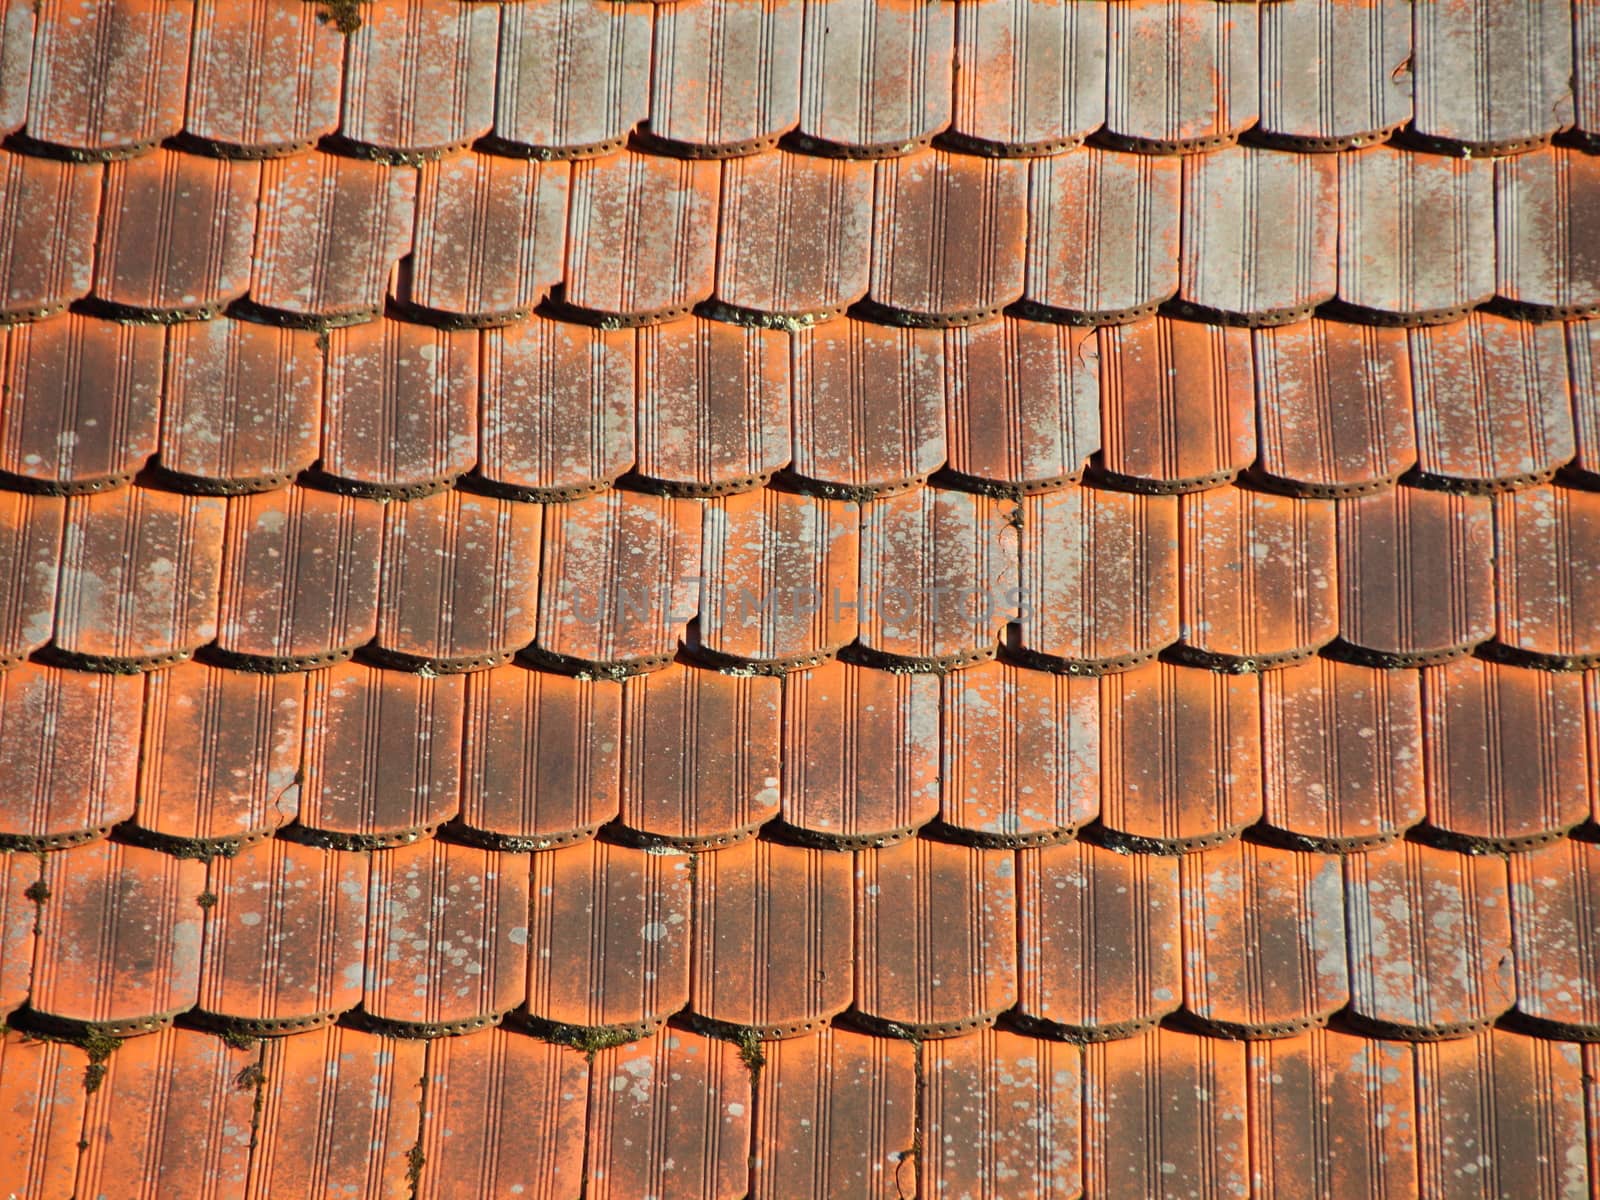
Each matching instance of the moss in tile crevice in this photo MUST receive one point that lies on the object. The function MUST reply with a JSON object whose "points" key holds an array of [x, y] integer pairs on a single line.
{"points": [[344, 14]]}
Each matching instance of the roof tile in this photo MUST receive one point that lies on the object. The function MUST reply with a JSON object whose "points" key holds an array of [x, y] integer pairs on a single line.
{"points": [[1583, 349], [1154, 106], [1547, 232], [1586, 69], [1335, 74], [1554, 892], [44, 1098], [18, 912], [1547, 571], [16, 66], [30, 540], [49, 214]]}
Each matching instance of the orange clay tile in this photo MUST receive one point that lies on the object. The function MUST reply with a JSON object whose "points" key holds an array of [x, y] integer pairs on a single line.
{"points": [[1507, 762], [382, 754], [119, 937], [1260, 584], [609, 936], [1001, 1116], [1156, 105], [936, 936], [30, 540], [42, 1100], [339, 1112], [558, 408], [619, 580], [868, 407], [48, 217], [950, 232], [700, 754], [1430, 940], [329, 231], [796, 238], [1547, 263], [82, 396], [18, 911], [1334, 73], [285, 942], [1416, 579], [1021, 754], [447, 937], [1205, 784], [713, 406], [1586, 89], [664, 1111], [1554, 893], [220, 754], [641, 237], [1547, 574], [16, 64], [400, 415], [726, 76], [1583, 348], [1099, 578], [541, 757], [861, 753], [263, 77], [1339, 422], [490, 238], [300, 577], [1342, 753], [773, 562], [505, 1117], [836, 1118], [773, 950], [140, 571], [69, 753]]}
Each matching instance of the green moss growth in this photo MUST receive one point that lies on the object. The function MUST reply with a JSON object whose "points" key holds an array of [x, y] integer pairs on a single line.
{"points": [[345, 15], [38, 891], [588, 1039], [99, 1046]]}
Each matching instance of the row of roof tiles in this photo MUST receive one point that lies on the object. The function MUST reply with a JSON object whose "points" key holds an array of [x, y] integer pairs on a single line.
{"points": [[564, 78]]}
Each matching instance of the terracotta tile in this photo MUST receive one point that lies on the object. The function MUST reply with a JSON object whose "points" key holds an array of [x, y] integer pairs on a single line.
{"points": [[773, 950], [619, 580], [1102, 234], [1547, 232], [401, 407], [1342, 753], [82, 401], [69, 751], [30, 540], [713, 406], [668, 1116], [1180, 76], [241, 404], [609, 936], [43, 1101], [49, 212], [220, 754], [836, 1119], [795, 242], [263, 77], [875, 74], [1177, 404], [1332, 1115], [1099, 578], [778, 570], [300, 577], [700, 754], [1493, 409], [860, 752], [119, 937], [330, 231], [1507, 763], [18, 911], [1392, 198], [1001, 1116], [171, 1114], [574, 75], [1205, 785], [1547, 568], [1335, 74], [1335, 417], [108, 79], [1583, 349], [868, 407], [936, 936], [460, 580], [950, 236], [1557, 950], [541, 757], [1166, 1111], [558, 408], [1260, 580], [726, 77], [1416, 580], [140, 572], [382, 754], [505, 1117], [490, 239], [362, 1092], [1430, 940], [17, 19], [286, 940], [641, 237], [1586, 76], [1263, 939]]}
